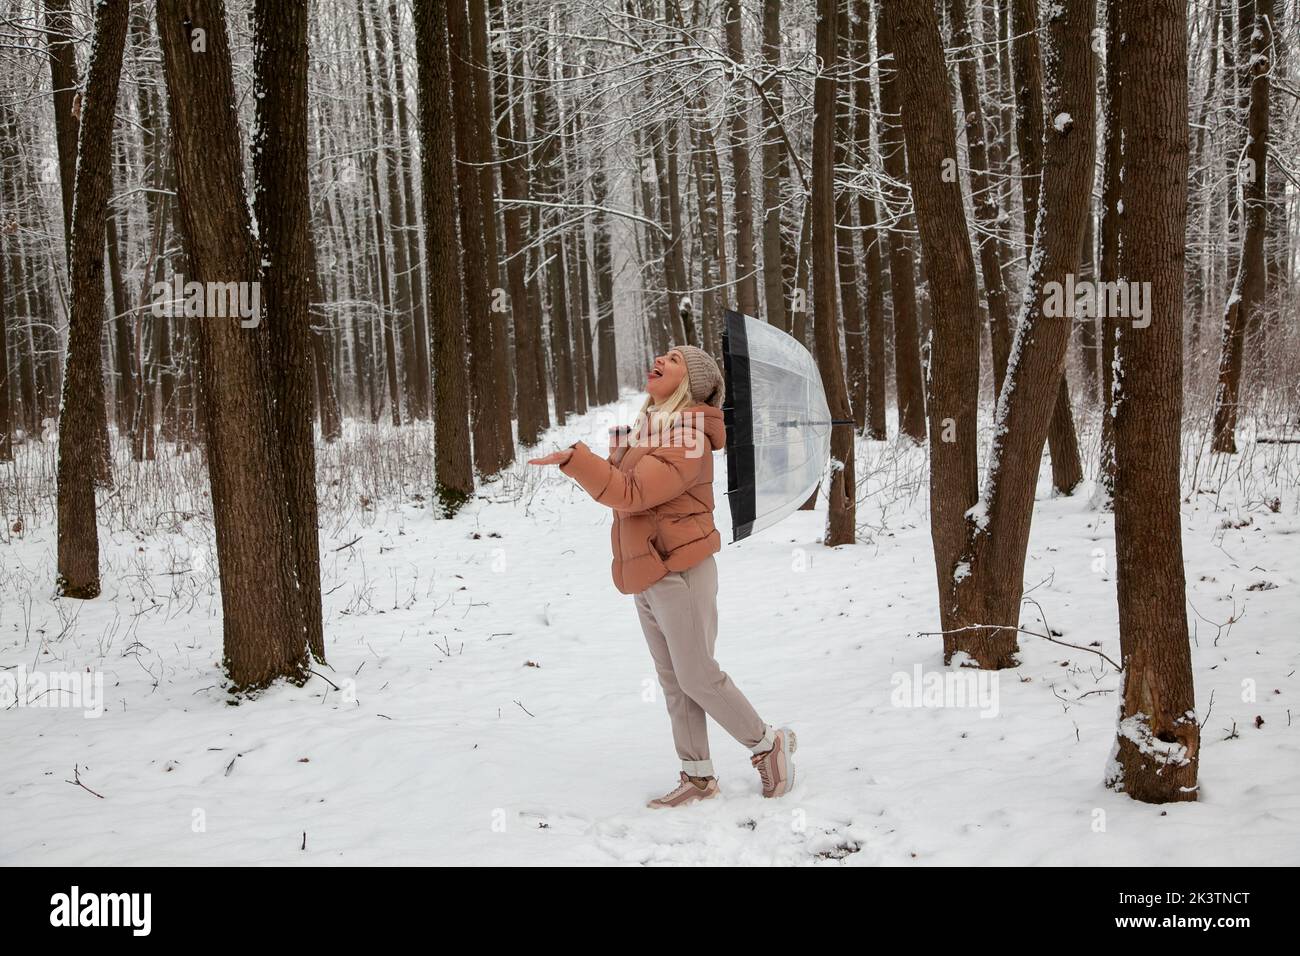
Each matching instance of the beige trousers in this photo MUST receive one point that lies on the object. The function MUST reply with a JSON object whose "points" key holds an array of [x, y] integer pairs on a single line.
{"points": [[679, 615]]}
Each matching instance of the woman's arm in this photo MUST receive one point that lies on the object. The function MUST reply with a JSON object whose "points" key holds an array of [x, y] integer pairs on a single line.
{"points": [[660, 476]]}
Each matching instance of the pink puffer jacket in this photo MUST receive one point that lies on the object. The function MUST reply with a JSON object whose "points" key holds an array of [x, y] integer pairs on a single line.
{"points": [[662, 496]]}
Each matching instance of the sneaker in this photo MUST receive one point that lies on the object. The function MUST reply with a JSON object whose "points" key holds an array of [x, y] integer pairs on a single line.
{"points": [[776, 768], [684, 793]]}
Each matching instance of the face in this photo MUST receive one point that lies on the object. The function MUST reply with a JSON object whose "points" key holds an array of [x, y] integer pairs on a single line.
{"points": [[666, 375]]}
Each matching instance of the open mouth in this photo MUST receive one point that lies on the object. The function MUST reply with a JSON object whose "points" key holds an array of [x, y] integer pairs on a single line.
{"points": [[655, 373]]}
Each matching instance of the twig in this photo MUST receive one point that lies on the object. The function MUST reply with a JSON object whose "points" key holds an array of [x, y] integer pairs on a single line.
{"points": [[76, 780], [324, 678]]}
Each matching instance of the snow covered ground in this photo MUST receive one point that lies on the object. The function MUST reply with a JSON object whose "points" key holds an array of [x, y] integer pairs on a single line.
{"points": [[496, 703]]}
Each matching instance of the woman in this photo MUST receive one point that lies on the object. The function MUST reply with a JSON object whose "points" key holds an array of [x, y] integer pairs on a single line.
{"points": [[658, 479]]}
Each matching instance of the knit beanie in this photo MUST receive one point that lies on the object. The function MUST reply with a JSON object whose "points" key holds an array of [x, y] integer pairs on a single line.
{"points": [[705, 378]]}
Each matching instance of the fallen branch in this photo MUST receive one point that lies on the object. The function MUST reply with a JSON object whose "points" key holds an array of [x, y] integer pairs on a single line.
{"points": [[76, 780], [1020, 630]]}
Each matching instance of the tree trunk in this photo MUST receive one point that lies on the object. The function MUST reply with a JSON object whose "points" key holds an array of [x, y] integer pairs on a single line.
{"points": [[419, 321], [63, 76], [547, 122], [902, 287], [283, 209], [380, 238], [67, 108], [453, 471], [850, 299], [402, 317], [123, 349], [6, 411], [738, 125], [83, 394], [606, 354], [988, 585], [1108, 267], [709, 240], [1157, 745], [1067, 469], [840, 523], [530, 390], [775, 171], [872, 237], [479, 267], [497, 399], [987, 214], [953, 396], [1246, 300], [262, 617]]}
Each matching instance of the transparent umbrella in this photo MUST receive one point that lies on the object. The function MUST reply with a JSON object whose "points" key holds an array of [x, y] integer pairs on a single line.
{"points": [[778, 423]]}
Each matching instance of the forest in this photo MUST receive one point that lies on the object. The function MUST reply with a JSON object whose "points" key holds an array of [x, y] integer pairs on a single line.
{"points": [[292, 292]]}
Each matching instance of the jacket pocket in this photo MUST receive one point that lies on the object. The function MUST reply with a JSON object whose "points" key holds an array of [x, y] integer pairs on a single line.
{"points": [[656, 537]]}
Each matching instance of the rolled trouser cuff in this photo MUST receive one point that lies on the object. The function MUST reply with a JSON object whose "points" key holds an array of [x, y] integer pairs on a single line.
{"points": [[768, 741], [698, 768]]}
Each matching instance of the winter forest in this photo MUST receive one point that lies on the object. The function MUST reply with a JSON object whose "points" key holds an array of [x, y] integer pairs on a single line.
{"points": [[292, 292]]}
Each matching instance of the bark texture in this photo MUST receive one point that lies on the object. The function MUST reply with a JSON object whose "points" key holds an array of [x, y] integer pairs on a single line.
{"points": [[83, 396], [261, 609], [1157, 745], [453, 468]]}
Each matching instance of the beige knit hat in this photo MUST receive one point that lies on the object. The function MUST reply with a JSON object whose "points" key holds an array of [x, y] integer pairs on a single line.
{"points": [[707, 385]]}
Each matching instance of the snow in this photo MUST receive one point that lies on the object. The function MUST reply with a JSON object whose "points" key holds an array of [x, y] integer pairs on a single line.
{"points": [[496, 703], [1062, 122]]}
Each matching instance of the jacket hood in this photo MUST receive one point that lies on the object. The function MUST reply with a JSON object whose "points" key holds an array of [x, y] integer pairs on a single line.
{"points": [[707, 419]]}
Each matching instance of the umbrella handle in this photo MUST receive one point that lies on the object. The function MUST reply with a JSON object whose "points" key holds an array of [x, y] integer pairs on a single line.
{"points": [[833, 421]]}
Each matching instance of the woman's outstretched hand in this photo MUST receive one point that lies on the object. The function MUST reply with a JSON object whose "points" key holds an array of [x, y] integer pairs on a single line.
{"points": [[554, 458]]}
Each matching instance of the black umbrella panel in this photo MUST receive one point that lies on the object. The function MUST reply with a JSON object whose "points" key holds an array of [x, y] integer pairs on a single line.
{"points": [[778, 423]]}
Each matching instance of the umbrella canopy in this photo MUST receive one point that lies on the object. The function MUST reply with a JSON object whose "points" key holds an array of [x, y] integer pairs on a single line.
{"points": [[778, 423]]}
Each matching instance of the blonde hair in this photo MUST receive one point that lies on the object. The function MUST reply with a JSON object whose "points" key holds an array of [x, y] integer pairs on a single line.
{"points": [[655, 420]]}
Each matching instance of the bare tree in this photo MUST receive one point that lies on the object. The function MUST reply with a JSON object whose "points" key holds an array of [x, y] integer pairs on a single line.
{"points": [[990, 592], [83, 395], [840, 519], [452, 457], [1157, 744], [512, 135], [775, 170], [479, 268], [845, 234], [1067, 468], [6, 411], [288, 272], [984, 198], [872, 237], [63, 76], [941, 220], [265, 639], [498, 358], [1108, 264], [738, 117], [908, 379], [1248, 288]]}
